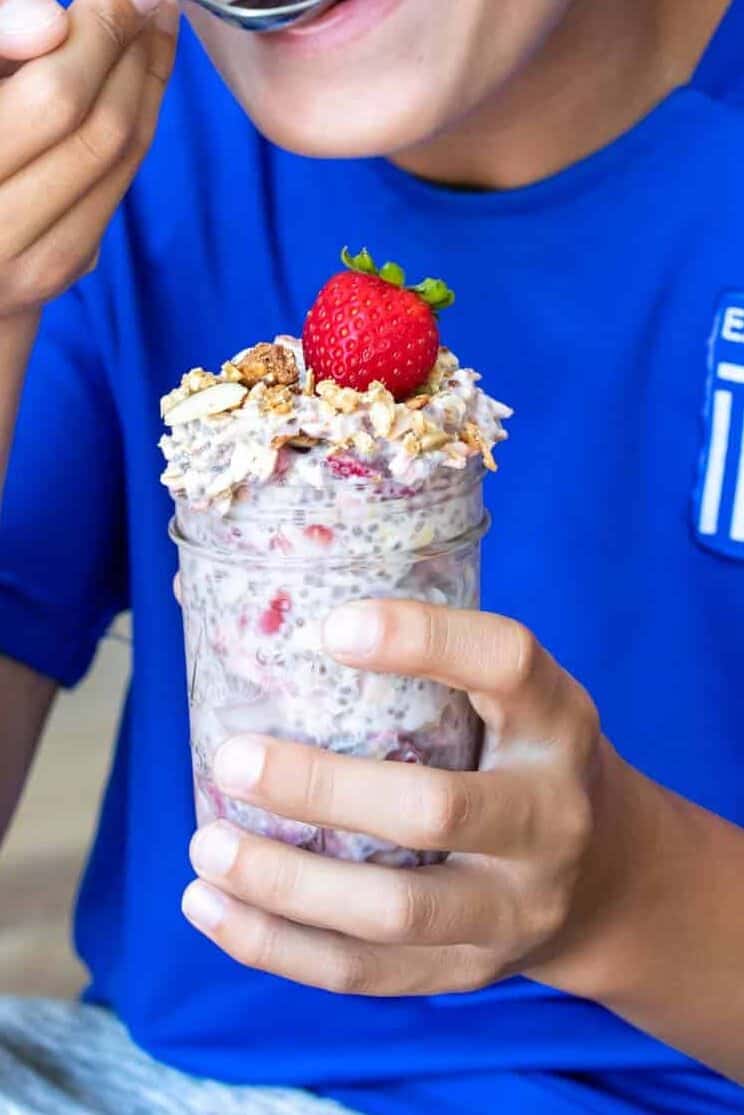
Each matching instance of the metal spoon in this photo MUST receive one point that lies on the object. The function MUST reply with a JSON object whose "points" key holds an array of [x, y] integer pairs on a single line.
{"points": [[264, 15]]}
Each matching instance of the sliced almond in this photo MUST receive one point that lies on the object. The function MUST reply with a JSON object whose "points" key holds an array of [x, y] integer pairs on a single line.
{"points": [[434, 381], [418, 423], [278, 400], [198, 380], [217, 399], [343, 399], [363, 443], [171, 479], [172, 399], [435, 440], [473, 437], [416, 402], [488, 458], [411, 444], [382, 416], [378, 392], [232, 372]]}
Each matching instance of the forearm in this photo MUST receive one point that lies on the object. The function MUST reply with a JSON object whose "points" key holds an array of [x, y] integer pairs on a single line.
{"points": [[667, 951], [25, 699], [17, 335]]}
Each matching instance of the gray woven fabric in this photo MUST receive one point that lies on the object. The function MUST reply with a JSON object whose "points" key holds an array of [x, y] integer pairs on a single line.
{"points": [[61, 1058]]}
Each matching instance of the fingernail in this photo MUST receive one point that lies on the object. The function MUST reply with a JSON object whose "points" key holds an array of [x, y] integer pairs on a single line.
{"points": [[353, 630], [21, 16], [203, 906], [93, 263], [238, 764], [145, 7], [214, 849]]}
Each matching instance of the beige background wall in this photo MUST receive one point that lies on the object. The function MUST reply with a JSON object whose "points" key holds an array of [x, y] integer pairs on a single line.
{"points": [[41, 859]]}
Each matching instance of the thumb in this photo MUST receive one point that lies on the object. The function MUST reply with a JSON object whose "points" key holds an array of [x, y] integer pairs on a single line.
{"points": [[29, 28]]}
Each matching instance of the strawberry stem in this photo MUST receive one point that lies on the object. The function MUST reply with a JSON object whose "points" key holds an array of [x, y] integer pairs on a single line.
{"points": [[434, 292]]}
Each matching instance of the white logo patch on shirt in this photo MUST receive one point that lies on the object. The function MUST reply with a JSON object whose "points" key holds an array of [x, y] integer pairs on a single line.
{"points": [[719, 496]]}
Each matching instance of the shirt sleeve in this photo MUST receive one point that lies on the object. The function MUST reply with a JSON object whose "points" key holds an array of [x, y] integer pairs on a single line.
{"points": [[63, 567]]}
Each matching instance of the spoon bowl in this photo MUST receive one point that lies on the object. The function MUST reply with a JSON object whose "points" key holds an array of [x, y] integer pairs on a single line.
{"points": [[264, 15]]}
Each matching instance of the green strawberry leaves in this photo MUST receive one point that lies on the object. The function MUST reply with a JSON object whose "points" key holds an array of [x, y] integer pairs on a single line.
{"points": [[392, 273], [434, 292], [363, 263]]}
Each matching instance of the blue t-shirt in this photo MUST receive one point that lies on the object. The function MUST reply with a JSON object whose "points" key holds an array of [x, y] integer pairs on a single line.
{"points": [[606, 304]]}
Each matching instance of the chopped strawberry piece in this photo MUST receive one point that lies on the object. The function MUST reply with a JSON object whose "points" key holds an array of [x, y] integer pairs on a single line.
{"points": [[323, 536], [282, 602], [280, 542], [271, 620], [346, 467]]}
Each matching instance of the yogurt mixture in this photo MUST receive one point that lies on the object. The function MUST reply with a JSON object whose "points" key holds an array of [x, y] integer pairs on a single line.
{"points": [[291, 498]]}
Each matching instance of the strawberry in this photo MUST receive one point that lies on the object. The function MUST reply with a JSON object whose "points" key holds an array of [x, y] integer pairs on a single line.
{"points": [[366, 325], [270, 621]]}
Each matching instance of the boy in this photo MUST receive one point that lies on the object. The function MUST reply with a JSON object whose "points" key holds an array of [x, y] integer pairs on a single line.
{"points": [[573, 170]]}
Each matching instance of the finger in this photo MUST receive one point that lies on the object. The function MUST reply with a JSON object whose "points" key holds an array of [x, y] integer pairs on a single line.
{"points": [[54, 94], [63, 254], [46, 189], [492, 812], [467, 650], [475, 651], [30, 28], [455, 903], [327, 960]]}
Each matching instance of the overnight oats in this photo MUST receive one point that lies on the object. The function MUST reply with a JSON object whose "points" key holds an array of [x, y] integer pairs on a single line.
{"points": [[295, 493]]}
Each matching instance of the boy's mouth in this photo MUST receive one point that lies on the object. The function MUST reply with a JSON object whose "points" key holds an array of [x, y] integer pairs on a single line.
{"points": [[335, 26]]}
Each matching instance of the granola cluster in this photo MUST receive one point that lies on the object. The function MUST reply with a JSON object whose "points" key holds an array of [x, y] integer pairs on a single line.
{"points": [[237, 427]]}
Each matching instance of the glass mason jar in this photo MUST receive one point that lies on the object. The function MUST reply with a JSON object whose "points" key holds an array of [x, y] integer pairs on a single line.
{"points": [[256, 586]]}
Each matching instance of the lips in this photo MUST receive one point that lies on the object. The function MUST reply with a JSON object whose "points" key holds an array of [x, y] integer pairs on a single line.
{"points": [[336, 26]]}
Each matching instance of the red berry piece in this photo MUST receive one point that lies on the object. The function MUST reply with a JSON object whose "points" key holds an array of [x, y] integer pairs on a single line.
{"points": [[366, 325], [211, 797], [322, 536], [345, 467], [280, 542], [272, 619], [282, 601]]}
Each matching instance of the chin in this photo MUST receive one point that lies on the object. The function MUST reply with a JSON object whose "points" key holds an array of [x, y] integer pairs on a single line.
{"points": [[338, 123], [348, 85]]}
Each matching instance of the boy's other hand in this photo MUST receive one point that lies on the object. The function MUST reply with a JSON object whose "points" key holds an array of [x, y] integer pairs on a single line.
{"points": [[538, 852], [87, 86]]}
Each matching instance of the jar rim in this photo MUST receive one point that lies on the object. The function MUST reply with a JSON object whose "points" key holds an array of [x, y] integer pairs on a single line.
{"points": [[403, 557]]}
